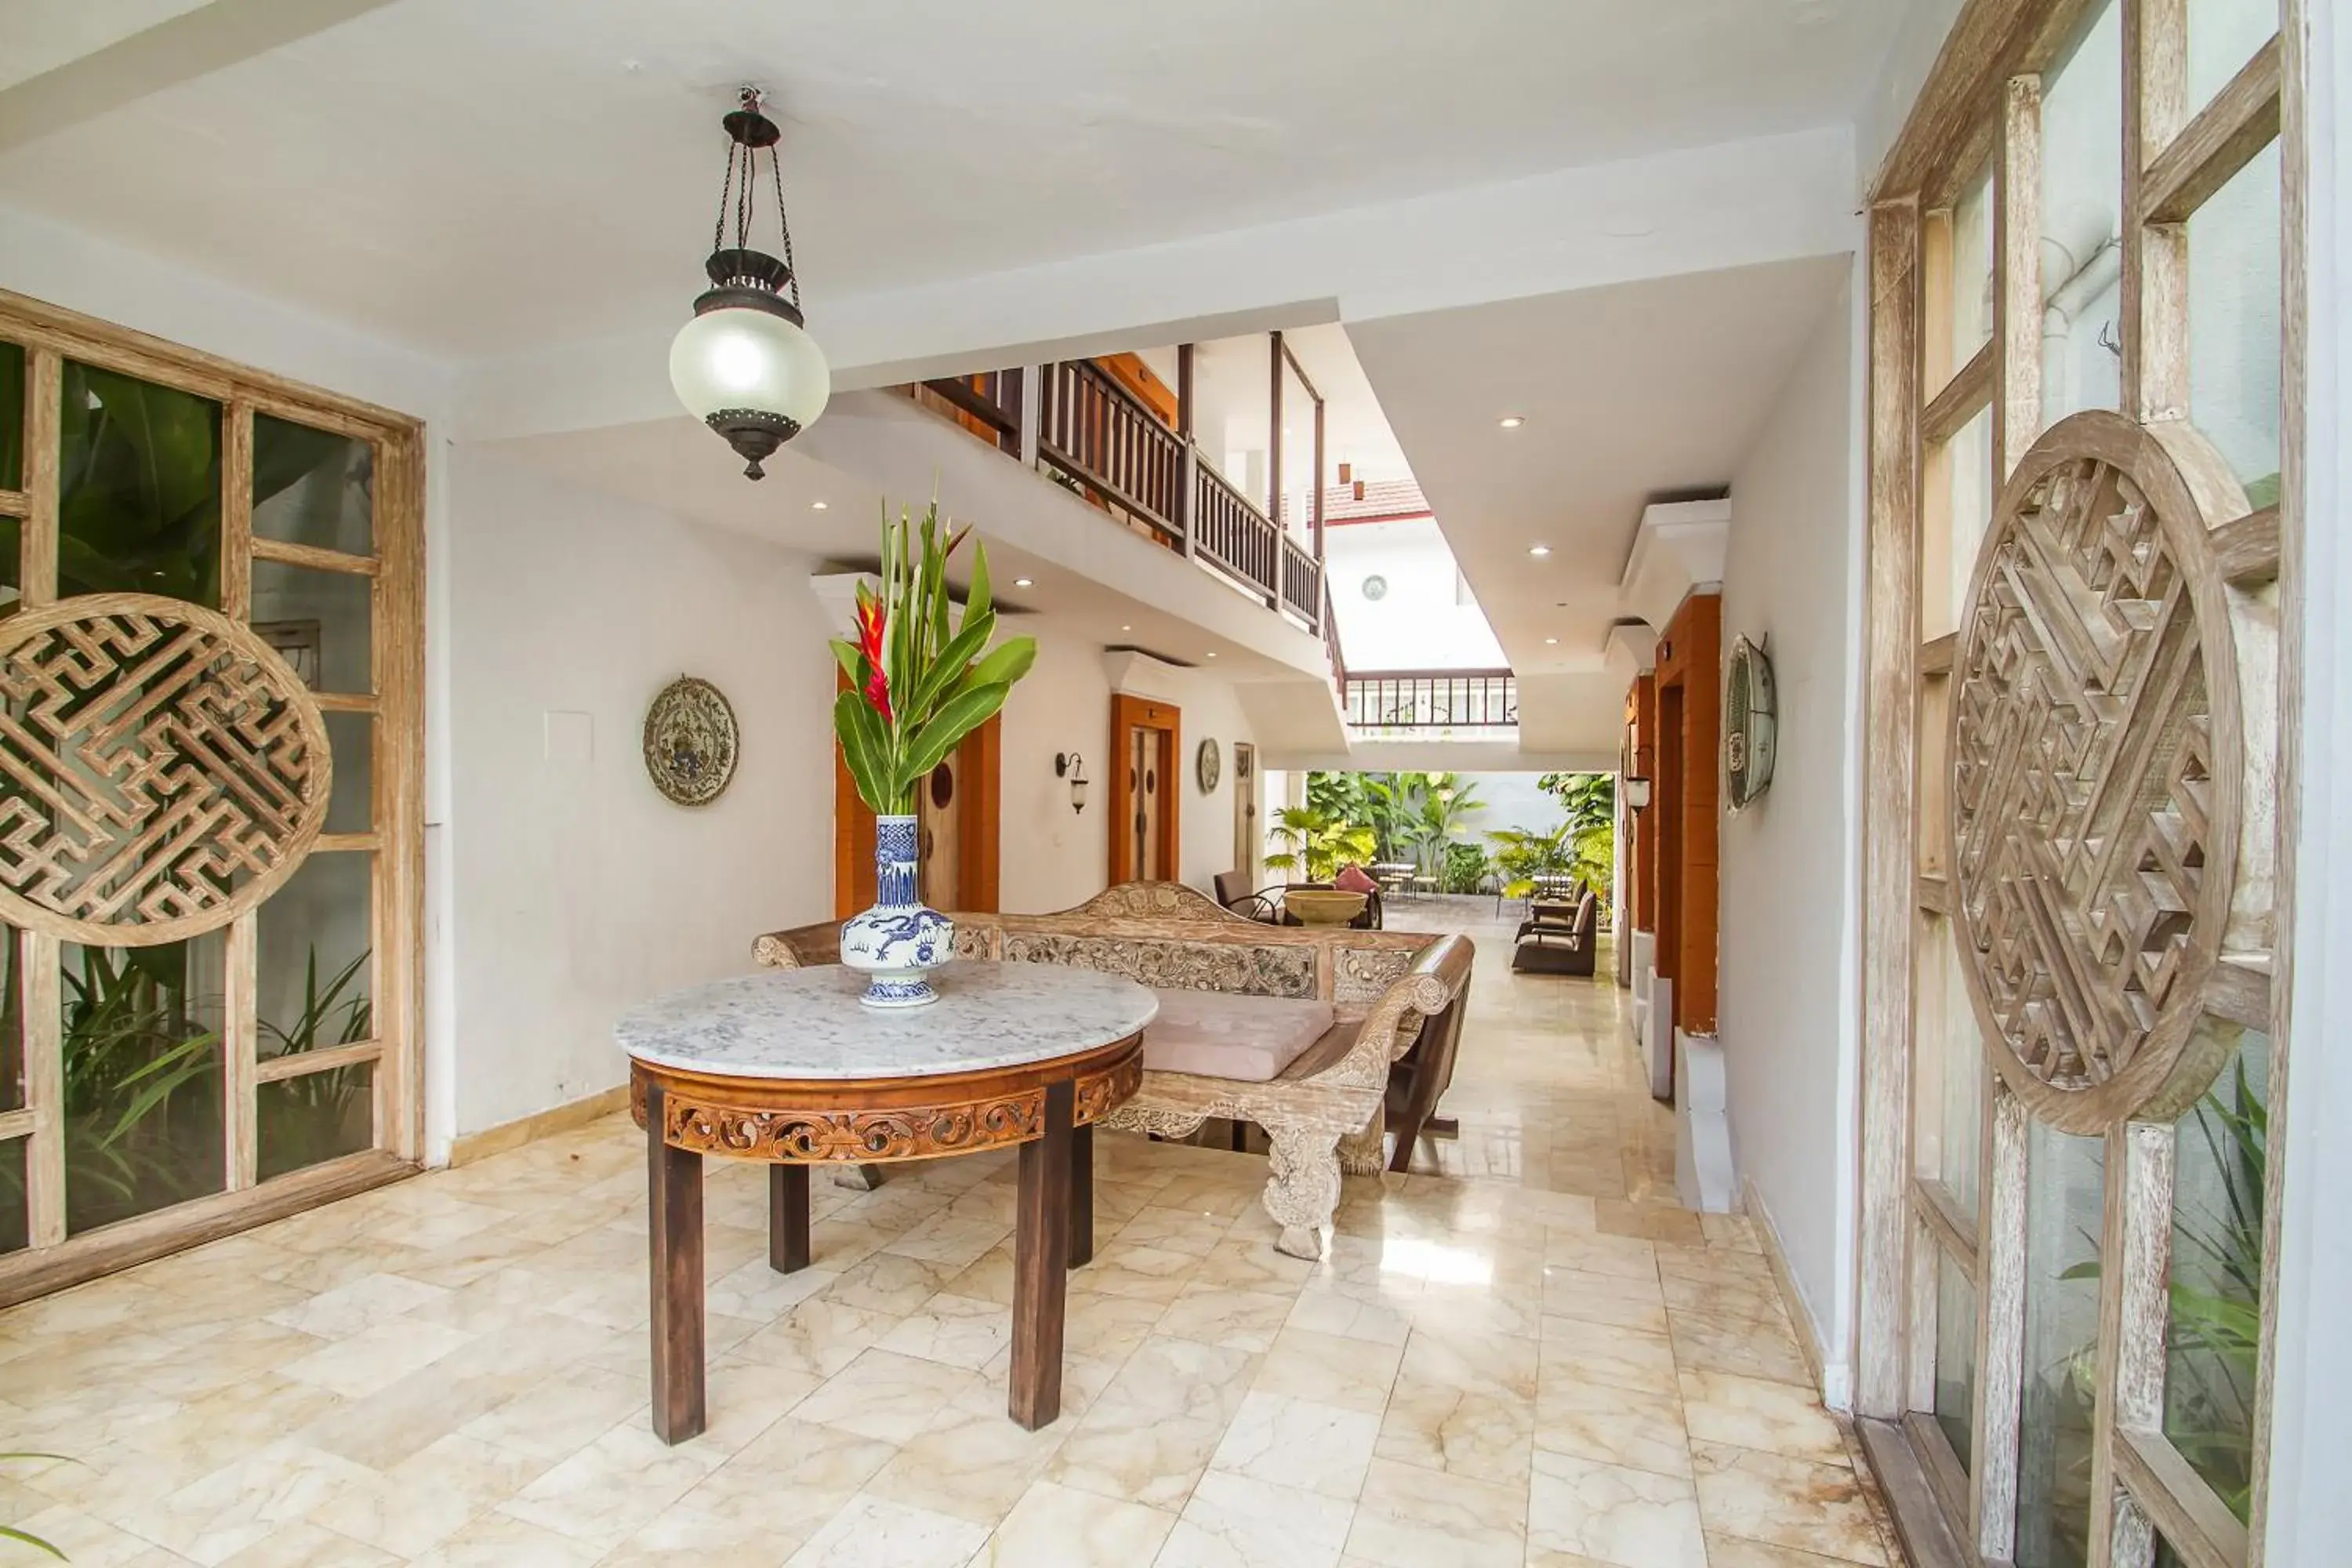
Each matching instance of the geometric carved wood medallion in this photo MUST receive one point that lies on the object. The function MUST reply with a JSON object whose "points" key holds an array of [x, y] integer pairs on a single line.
{"points": [[2097, 760], [162, 770]]}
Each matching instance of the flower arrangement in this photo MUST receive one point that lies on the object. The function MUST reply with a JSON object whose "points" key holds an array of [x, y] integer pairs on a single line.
{"points": [[921, 676]]}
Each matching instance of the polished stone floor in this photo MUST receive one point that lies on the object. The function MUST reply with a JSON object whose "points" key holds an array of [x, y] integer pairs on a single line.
{"points": [[1527, 1355]]}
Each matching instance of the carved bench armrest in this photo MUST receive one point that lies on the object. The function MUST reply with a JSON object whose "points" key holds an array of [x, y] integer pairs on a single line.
{"points": [[1437, 978], [803, 947]]}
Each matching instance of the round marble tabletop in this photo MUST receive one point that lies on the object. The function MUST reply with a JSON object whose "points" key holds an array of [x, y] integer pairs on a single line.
{"points": [[808, 1023]]}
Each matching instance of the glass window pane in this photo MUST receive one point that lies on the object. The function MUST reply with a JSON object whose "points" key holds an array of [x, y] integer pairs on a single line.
{"points": [[1971, 272], [15, 1212], [12, 417], [1950, 1053], [2233, 324], [319, 621], [312, 488], [142, 1066], [1960, 495], [1956, 1356], [12, 1024], [351, 803], [139, 489], [317, 1117], [2064, 1204], [2222, 36], [313, 940], [2217, 1270], [2082, 219]]}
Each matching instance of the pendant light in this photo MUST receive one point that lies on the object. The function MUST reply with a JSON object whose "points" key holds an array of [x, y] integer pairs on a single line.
{"points": [[744, 366]]}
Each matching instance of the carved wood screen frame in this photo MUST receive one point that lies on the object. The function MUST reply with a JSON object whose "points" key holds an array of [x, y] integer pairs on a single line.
{"points": [[394, 838], [2174, 981]]}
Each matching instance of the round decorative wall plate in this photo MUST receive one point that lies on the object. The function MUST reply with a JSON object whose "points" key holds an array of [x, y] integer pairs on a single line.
{"points": [[2099, 860], [1750, 722], [162, 770], [1208, 766], [690, 741]]}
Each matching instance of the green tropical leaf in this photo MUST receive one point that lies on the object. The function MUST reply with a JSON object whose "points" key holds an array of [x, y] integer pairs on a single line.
{"points": [[866, 749], [959, 716], [954, 658], [1005, 664], [976, 600]]}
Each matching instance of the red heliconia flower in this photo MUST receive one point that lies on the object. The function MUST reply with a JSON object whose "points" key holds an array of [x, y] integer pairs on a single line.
{"points": [[870, 643]]}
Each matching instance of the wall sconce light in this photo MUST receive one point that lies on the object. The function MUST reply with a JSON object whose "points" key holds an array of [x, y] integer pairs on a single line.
{"points": [[1071, 767], [1637, 793]]}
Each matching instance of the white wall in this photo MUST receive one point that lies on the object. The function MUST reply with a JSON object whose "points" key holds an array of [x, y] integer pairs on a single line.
{"points": [[1049, 857], [1790, 862], [576, 890]]}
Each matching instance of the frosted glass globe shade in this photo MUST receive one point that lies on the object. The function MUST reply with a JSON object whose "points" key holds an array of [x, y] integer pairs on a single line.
{"points": [[748, 359]]}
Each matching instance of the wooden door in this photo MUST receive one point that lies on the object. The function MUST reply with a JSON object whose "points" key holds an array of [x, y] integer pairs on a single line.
{"points": [[939, 814], [1144, 738]]}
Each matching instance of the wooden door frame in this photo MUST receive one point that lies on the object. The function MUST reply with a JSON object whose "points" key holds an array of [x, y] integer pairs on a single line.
{"points": [[1245, 807], [979, 826], [1689, 670], [1131, 712]]}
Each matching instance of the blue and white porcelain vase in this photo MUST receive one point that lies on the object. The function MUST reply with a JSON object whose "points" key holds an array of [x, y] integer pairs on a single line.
{"points": [[898, 940]]}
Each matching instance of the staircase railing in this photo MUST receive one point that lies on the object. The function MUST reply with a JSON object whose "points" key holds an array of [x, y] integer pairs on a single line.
{"points": [[1431, 699]]}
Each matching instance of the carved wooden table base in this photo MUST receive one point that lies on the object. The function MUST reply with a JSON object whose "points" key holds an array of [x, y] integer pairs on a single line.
{"points": [[1047, 1106]]}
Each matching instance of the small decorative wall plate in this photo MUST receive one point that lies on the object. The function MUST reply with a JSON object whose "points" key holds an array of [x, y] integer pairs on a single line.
{"points": [[1208, 766], [690, 741]]}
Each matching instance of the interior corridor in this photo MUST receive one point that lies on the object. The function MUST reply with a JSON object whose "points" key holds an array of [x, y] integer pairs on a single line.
{"points": [[1532, 1358]]}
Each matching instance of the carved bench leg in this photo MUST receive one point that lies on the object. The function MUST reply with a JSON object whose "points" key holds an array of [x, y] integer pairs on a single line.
{"points": [[1363, 1154], [1304, 1189]]}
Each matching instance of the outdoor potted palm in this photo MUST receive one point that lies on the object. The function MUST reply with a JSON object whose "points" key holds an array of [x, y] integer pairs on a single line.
{"points": [[921, 678]]}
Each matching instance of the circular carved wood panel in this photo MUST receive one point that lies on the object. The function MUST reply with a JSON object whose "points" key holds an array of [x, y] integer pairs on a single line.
{"points": [[162, 770], [690, 741], [2096, 755]]}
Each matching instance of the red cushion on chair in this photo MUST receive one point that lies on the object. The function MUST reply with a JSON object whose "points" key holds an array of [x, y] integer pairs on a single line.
{"points": [[1355, 879]]}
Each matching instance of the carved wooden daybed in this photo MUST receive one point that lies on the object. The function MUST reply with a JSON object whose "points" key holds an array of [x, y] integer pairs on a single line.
{"points": [[1349, 1004]]}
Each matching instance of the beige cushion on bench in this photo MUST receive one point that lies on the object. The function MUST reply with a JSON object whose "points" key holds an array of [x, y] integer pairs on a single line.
{"points": [[1221, 1034]]}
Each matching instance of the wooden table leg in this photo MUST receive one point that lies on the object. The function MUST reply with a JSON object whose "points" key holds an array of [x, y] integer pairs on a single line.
{"points": [[788, 1218], [1041, 1247], [674, 1233], [1082, 1195]]}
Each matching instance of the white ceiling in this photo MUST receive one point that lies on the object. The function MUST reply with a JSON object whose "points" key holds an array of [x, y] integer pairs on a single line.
{"points": [[1628, 393], [477, 178]]}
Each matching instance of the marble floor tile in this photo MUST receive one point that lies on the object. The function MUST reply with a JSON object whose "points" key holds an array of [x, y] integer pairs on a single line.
{"points": [[1232, 1519], [1613, 1299], [1737, 1551], [885, 1395], [1063, 1527], [1611, 1514], [1412, 1518], [1440, 1425], [875, 1533], [1642, 1428], [1757, 1413], [1293, 1442], [1785, 1502], [1744, 1349], [1127, 1451], [953, 1330], [1597, 1353], [1241, 1320]]}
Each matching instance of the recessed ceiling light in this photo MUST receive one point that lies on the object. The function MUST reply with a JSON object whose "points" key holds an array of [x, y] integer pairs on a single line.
{"points": [[1212, 653], [816, 506], [1127, 628], [1539, 550], [1024, 582], [1551, 642], [1512, 421]]}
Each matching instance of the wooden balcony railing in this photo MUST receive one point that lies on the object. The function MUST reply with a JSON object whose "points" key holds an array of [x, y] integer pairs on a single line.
{"points": [[1118, 452], [1431, 699], [1103, 435]]}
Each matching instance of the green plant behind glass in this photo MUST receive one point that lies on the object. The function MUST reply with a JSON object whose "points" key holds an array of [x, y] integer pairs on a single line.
{"points": [[141, 1093], [309, 1118], [2214, 1336]]}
